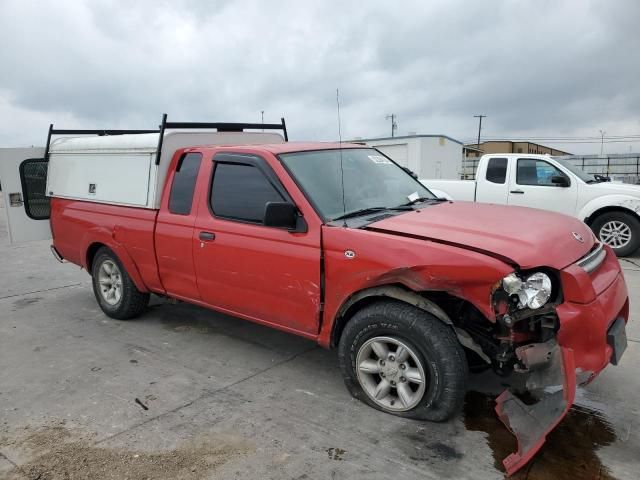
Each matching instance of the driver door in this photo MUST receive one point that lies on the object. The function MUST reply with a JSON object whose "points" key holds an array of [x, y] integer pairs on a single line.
{"points": [[531, 186], [266, 274]]}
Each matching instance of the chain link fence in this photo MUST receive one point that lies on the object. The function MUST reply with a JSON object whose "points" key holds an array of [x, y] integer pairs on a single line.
{"points": [[622, 167]]}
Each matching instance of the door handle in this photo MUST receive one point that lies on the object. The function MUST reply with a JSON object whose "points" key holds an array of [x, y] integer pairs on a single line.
{"points": [[518, 192], [207, 236]]}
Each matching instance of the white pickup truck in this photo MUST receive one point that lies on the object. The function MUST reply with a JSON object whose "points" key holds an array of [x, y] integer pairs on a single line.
{"points": [[612, 210]]}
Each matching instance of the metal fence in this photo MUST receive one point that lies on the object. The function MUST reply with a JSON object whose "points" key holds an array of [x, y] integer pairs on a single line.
{"points": [[621, 167], [469, 167]]}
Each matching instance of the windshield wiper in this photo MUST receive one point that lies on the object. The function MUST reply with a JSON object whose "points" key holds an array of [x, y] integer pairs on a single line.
{"points": [[364, 211]]}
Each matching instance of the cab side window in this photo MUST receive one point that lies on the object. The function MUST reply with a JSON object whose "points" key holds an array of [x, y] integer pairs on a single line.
{"points": [[497, 170], [536, 172], [184, 184], [241, 192]]}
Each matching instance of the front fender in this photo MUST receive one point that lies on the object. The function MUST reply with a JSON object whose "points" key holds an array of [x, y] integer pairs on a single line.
{"points": [[626, 202]]}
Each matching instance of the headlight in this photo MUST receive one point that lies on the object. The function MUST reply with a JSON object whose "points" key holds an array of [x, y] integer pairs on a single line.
{"points": [[532, 292]]}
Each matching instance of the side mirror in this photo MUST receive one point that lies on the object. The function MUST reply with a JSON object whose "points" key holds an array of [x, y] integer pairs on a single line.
{"points": [[560, 181], [281, 215]]}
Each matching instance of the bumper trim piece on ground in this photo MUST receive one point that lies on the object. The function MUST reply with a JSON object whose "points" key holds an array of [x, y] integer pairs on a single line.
{"points": [[556, 388]]}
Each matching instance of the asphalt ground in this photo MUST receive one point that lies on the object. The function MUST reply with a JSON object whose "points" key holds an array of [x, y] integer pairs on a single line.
{"points": [[184, 392]]}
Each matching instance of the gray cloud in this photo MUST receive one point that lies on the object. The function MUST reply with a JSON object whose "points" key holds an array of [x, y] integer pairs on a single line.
{"points": [[535, 68]]}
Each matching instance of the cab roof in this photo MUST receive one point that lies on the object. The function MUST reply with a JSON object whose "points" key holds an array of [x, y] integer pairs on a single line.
{"points": [[290, 147]]}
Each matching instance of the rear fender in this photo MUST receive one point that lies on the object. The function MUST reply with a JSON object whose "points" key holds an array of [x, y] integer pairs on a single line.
{"points": [[109, 239]]}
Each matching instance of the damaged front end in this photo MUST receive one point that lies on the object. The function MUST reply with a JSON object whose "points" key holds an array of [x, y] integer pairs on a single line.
{"points": [[523, 348]]}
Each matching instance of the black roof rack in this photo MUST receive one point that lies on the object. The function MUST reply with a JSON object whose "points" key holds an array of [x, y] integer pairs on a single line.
{"points": [[219, 126]]}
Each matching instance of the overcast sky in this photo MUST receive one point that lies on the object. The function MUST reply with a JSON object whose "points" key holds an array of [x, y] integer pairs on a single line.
{"points": [[536, 69]]}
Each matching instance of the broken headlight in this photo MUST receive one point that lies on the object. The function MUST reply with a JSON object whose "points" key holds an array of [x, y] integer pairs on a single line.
{"points": [[533, 291]]}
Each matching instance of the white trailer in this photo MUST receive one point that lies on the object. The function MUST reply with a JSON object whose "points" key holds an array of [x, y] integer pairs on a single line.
{"points": [[429, 156]]}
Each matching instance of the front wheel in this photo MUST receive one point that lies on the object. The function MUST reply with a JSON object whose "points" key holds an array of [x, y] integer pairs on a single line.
{"points": [[619, 230], [403, 361], [115, 292]]}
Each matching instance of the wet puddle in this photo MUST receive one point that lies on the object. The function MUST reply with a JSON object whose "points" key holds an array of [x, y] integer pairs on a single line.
{"points": [[570, 449]]}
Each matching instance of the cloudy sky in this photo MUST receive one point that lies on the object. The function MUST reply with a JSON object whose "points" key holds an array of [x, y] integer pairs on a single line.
{"points": [[544, 69]]}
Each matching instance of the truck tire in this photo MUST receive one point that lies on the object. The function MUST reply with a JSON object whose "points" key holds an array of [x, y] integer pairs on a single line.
{"points": [[404, 361], [115, 292], [619, 230]]}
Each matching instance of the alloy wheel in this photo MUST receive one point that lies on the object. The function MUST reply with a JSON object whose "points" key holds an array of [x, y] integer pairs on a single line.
{"points": [[616, 234], [391, 373], [110, 282]]}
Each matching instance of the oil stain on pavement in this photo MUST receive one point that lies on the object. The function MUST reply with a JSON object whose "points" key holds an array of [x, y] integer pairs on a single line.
{"points": [[569, 451], [25, 302]]}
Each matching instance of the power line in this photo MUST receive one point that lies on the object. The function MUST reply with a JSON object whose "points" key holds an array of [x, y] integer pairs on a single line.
{"points": [[528, 138], [472, 141]]}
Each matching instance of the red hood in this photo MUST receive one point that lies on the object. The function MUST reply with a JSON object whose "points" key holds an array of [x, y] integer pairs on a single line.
{"points": [[525, 236]]}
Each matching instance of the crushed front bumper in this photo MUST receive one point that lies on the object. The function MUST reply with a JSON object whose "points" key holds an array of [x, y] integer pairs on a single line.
{"points": [[531, 423], [591, 335]]}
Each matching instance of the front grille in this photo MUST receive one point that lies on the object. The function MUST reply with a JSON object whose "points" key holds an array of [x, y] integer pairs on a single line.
{"points": [[591, 261]]}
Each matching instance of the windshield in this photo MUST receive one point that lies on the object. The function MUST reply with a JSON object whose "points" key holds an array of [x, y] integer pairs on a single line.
{"points": [[371, 180], [581, 174]]}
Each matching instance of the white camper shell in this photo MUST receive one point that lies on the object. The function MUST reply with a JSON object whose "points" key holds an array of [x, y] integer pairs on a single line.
{"points": [[118, 167], [122, 170]]}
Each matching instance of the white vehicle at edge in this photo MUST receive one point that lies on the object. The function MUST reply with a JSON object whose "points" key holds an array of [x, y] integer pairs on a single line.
{"points": [[612, 210]]}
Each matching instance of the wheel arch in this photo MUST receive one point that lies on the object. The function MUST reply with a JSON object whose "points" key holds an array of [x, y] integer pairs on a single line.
{"points": [[92, 250], [122, 255], [365, 297], [592, 211]]}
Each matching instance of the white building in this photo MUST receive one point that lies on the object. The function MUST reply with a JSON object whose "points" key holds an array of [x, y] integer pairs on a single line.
{"points": [[430, 156]]}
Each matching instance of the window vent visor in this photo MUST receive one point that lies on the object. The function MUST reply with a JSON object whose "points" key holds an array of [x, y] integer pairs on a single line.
{"points": [[593, 259]]}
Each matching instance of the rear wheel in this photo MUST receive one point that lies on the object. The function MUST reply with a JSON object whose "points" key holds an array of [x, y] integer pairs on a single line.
{"points": [[403, 361], [619, 230], [115, 292]]}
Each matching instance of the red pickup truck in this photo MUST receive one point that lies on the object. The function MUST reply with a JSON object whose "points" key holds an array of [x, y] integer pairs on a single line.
{"points": [[339, 244]]}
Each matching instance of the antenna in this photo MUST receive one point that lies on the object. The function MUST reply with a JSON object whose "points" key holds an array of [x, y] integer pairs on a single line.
{"points": [[344, 205]]}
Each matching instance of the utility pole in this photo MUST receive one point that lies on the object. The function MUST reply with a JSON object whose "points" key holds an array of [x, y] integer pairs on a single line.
{"points": [[479, 117], [394, 124], [602, 134], [262, 117]]}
